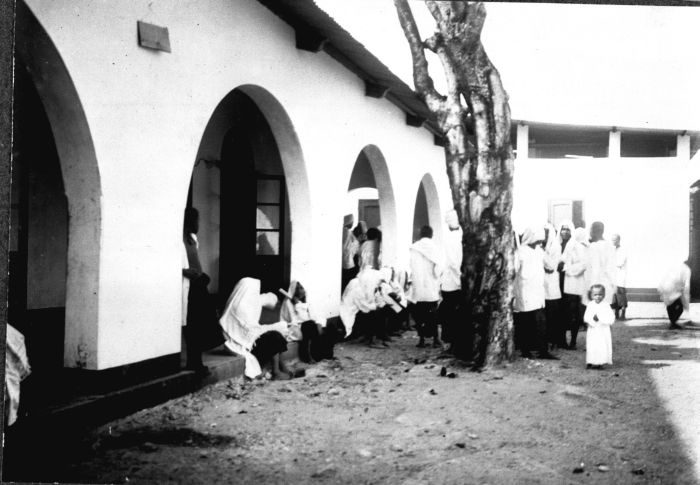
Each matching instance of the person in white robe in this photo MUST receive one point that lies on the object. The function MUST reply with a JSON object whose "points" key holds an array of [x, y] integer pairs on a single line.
{"points": [[601, 263], [351, 246], [426, 269], [674, 289], [16, 370], [599, 317], [552, 292], [620, 298], [359, 298], [455, 330], [370, 250], [528, 305], [247, 337], [573, 270]]}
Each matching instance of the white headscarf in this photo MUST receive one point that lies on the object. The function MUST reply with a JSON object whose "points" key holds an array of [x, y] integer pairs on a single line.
{"points": [[532, 235], [241, 319], [567, 223]]}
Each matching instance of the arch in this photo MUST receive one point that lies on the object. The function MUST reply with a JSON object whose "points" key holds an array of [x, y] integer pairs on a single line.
{"points": [[372, 156], [226, 117], [81, 178], [427, 194]]}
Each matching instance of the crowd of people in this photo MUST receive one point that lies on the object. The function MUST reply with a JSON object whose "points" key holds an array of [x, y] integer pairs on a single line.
{"points": [[567, 280]]}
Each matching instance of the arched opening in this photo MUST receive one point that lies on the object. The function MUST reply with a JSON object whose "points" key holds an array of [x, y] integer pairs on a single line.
{"points": [[249, 183], [427, 209], [370, 198], [54, 275], [694, 243]]}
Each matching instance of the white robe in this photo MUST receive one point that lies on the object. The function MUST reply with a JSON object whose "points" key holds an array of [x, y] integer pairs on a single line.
{"points": [[426, 269], [601, 269], [16, 370], [359, 296], [676, 284], [452, 274], [599, 337], [621, 267], [529, 280], [552, 256], [241, 323]]}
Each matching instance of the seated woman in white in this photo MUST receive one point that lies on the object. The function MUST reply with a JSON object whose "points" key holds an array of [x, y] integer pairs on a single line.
{"points": [[247, 337]]}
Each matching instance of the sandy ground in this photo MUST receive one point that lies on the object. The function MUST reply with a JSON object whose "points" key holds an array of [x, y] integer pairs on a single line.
{"points": [[386, 416]]}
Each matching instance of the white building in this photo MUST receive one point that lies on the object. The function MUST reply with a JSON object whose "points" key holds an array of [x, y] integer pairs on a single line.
{"points": [[267, 117]]}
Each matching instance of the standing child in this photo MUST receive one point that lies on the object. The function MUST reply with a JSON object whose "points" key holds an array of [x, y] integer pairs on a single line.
{"points": [[599, 316]]}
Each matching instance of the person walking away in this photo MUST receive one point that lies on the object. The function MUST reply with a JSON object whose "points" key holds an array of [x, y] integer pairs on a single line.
{"points": [[601, 262], [599, 317], [620, 298], [528, 305], [370, 250], [245, 336], [454, 328], [426, 269], [552, 290], [675, 293], [351, 246]]}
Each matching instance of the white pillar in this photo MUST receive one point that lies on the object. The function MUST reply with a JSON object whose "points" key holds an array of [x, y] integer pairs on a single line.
{"points": [[683, 147], [614, 140], [522, 140]]}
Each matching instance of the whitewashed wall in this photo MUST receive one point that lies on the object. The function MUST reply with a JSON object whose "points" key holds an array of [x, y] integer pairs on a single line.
{"points": [[645, 200], [147, 111]]}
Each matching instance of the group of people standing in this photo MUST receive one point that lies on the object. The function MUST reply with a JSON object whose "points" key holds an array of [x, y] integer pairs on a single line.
{"points": [[561, 274], [377, 300]]}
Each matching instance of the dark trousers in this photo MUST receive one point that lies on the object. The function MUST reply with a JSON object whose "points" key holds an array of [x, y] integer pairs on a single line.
{"points": [[572, 316], [530, 331], [675, 310], [553, 314], [448, 313], [202, 331], [425, 315]]}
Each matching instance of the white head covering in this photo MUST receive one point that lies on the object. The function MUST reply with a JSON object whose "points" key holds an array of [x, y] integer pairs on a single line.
{"points": [[567, 223], [550, 239], [532, 235], [452, 219], [241, 319]]}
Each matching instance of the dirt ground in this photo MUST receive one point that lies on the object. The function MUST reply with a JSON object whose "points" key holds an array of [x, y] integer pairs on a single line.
{"points": [[386, 416]]}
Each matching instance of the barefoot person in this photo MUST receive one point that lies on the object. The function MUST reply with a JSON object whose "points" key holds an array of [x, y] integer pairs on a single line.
{"points": [[599, 317], [247, 337]]}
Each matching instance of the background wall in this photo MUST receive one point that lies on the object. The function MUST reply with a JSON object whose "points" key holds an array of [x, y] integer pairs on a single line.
{"points": [[147, 112], [645, 200]]}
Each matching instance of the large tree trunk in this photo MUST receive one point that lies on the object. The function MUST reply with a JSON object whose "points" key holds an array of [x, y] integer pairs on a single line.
{"points": [[475, 118]]}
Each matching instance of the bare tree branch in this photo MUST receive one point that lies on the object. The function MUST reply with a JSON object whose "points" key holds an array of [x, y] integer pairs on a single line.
{"points": [[421, 76]]}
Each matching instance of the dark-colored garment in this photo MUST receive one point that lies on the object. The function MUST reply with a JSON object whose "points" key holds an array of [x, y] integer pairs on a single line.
{"points": [[448, 313], [552, 311], [202, 331], [619, 298], [268, 345], [347, 275], [675, 310], [318, 344], [572, 311], [425, 315], [531, 331]]}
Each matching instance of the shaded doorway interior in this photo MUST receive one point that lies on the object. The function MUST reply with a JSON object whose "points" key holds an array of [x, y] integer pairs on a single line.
{"points": [[420, 213], [38, 235], [694, 243], [239, 187]]}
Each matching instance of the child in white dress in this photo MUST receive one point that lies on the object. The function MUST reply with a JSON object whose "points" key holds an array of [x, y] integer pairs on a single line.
{"points": [[599, 316]]}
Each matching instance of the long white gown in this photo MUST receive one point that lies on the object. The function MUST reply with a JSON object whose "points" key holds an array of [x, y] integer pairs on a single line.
{"points": [[599, 337]]}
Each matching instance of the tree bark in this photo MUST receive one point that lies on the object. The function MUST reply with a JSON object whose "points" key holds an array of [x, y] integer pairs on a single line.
{"points": [[479, 166]]}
